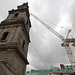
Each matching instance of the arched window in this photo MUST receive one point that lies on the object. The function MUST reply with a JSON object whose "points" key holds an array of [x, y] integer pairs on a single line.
{"points": [[4, 36], [16, 15], [23, 44]]}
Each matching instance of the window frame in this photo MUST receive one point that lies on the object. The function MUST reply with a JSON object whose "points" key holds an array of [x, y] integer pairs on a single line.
{"points": [[4, 36]]}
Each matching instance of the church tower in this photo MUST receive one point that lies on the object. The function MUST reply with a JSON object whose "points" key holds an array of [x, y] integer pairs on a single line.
{"points": [[14, 39]]}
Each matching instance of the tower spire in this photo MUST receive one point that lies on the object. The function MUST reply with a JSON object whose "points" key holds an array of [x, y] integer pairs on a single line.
{"points": [[14, 39]]}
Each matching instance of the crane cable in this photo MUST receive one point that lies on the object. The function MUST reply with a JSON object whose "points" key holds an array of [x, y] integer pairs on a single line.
{"points": [[41, 58], [73, 35], [57, 25]]}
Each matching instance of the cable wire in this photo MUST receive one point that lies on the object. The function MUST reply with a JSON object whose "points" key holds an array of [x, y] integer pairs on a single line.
{"points": [[41, 58], [58, 26]]}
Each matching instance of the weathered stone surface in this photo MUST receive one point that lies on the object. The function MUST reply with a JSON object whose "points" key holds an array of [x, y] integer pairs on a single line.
{"points": [[14, 61], [14, 40], [4, 70]]}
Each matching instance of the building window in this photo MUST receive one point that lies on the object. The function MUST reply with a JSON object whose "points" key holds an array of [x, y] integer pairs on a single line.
{"points": [[16, 15], [23, 45], [4, 36]]}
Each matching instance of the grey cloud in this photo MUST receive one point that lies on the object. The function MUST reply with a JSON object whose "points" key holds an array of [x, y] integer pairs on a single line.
{"points": [[45, 42], [72, 15]]}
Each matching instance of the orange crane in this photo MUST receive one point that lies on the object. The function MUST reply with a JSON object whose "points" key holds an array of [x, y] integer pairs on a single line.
{"points": [[65, 42]]}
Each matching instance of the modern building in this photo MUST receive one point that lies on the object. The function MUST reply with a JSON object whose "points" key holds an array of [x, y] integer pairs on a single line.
{"points": [[37, 72], [62, 70], [50, 72], [14, 41]]}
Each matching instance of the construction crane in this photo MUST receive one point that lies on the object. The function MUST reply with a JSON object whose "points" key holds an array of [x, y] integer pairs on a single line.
{"points": [[65, 42]]}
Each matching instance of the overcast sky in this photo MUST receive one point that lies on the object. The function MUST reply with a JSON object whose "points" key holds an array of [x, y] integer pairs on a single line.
{"points": [[45, 49]]}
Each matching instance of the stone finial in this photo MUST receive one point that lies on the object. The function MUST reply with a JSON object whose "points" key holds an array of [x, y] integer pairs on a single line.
{"points": [[23, 6]]}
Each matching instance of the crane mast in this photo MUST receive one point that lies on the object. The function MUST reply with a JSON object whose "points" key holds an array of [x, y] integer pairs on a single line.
{"points": [[65, 42]]}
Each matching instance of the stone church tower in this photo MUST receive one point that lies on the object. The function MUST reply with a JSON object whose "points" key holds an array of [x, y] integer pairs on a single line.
{"points": [[14, 40]]}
